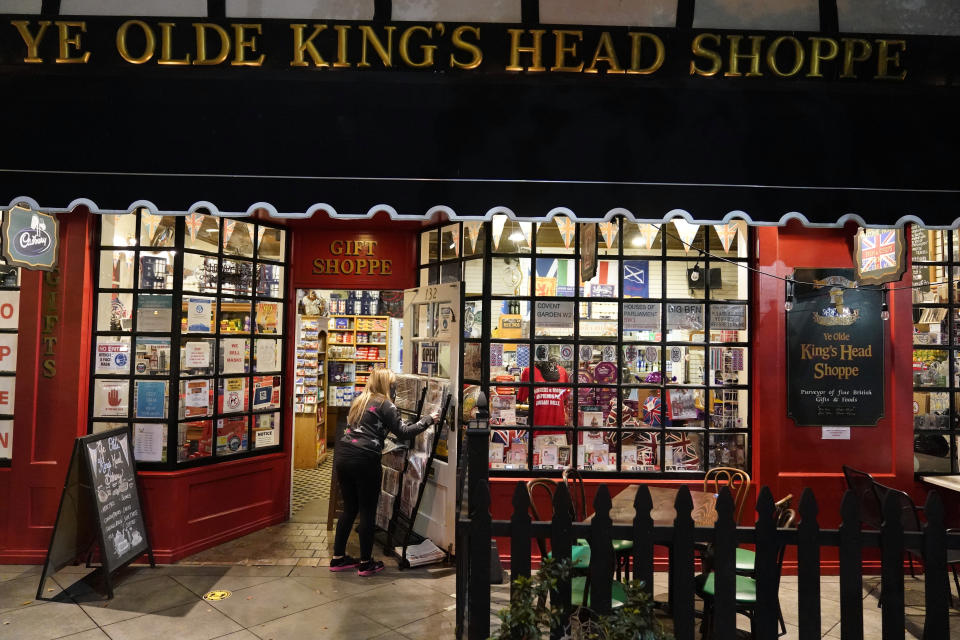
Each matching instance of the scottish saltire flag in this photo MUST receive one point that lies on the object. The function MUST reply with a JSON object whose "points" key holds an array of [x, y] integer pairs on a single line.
{"points": [[878, 250], [636, 277]]}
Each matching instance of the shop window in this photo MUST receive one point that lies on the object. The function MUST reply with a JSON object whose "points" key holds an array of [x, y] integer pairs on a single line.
{"points": [[935, 269], [208, 288], [9, 295], [646, 362]]}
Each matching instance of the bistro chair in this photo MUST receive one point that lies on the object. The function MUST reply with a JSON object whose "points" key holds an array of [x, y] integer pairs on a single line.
{"points": [[579, 554], [737, 480], [746, 587], [578, 496], [866, 490]]}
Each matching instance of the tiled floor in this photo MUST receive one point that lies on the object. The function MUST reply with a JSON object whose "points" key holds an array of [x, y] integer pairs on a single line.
{"points": [[267, 602], [312, 484]]}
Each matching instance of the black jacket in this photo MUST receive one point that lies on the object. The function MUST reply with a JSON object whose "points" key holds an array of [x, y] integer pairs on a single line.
{"points": [[381, 417]]}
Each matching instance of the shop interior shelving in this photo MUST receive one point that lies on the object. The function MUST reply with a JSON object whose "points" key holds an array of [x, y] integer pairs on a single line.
{"points": [[310, 422]]}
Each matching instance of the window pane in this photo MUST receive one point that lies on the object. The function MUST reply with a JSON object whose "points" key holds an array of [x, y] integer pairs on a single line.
{"points": [[235, 315], [232, 396], [150, 398], [510, 276], [207, 234], [473, 319], [238, 240], [930, 367], [474, 238], [450, 242], [554, 318], [597, 450], [728, 322], [268, 317], [509, 318], [642, 239], [684, 281], [508, 449], [599, 361], [115, 311], [556, 277], [608, 238], [152, 357], [113, 355], [683, 451], [236, 277], [683, 238], [196, 398], [266, 392], [429, 251], [155, 313], [604, 284], [642, 320], [157, 231], [156, 270], [728, 450], [111, 398], [728, 365], [728, 408], [685, 407], [551, 451], [734, 235], [268, 354], [598, 319], [200, 273], [270, 280], [266, 430], [197, 357], [550, 240], [450, 272], [640, 451], [234, 355], [473, 277], [195, 440], [514, 237], [641, 278], [118, 230], [641, 364], [198, 315], [116, 269], [150, 441], [272, 244], [728, 281], [685, 322]]}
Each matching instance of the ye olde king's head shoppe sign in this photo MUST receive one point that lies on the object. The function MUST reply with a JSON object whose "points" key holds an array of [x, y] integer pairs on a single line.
{"points": [[834, 350], [622, 52]]}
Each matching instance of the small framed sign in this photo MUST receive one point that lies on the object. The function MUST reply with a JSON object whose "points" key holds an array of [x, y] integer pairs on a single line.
{"points": [[31, 239], [879, 255]]}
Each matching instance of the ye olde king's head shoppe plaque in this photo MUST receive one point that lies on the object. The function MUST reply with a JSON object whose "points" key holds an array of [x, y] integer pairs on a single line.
{"points": [[834, 350]]}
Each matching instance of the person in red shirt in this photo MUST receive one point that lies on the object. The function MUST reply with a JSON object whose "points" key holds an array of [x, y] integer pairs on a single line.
{"points": [[549, 403]]}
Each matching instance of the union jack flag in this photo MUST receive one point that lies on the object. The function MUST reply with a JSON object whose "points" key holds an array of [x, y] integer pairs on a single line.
{"points": [[878, 250], [652, 411], [194, 222], [506, 437], [686, 450], [647, 448]]}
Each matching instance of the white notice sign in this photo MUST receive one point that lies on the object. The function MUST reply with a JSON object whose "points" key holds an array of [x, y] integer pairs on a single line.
{"points": [[265, 438], [198, 355], [234, 355], [641, 316], [835, 433], [8, 390], [553, 314], [8, 352], [148, 442], [9, 309], [728, 317], [685, 316]]}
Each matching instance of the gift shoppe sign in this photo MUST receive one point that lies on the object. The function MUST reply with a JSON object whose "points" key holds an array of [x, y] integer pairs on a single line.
{"points": [[362, 260], [834, 350]]}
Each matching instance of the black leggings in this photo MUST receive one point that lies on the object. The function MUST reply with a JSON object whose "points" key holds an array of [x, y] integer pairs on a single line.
{"points": [[358, 475]]}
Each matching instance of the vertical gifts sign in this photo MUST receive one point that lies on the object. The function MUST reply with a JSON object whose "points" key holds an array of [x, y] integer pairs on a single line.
{"points": [[835, 359]]}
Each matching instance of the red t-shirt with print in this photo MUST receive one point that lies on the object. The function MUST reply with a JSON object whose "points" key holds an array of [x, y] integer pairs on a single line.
{"points": [[549, 403]]}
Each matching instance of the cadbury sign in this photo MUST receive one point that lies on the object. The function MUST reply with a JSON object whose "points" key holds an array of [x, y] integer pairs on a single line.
{"points": [[30, 239]]}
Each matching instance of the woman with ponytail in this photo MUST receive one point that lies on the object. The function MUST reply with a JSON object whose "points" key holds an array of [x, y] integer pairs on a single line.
{"points": [[356, 460]]}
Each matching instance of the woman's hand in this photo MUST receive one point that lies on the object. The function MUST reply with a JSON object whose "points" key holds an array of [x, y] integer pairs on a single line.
{"points": [[435, 416]]}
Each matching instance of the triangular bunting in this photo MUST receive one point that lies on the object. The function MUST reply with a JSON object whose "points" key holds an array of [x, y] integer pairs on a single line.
{"points": [[608, 230], [727, 232], [472, 230], [687, 231], [649, 234], [499, 221], [228, 227], [148, 224], [260, 232], [566, 228], [527, 229], [194, 222], [456, 240]]}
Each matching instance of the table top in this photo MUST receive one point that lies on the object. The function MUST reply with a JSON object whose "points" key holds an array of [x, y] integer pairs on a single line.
{"points": [[704, 506], [947, 482]]}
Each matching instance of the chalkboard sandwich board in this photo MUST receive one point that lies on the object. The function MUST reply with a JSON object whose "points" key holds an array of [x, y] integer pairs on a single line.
{"points": [[100, 507]]}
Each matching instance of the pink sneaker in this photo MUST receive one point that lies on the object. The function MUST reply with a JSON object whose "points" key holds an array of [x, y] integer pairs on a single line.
{"points": [[343, 564], [369, 568]]}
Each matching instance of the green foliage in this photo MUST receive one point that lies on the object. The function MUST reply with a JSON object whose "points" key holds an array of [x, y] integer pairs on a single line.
{"points": [[530, 618]]}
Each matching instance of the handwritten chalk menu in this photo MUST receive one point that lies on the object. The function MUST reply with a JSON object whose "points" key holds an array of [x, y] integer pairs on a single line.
{"points": [[100, 507], [834, 350]]}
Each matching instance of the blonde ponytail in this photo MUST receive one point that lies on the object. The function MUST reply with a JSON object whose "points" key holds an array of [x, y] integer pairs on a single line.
{"points": [[378, 388]]}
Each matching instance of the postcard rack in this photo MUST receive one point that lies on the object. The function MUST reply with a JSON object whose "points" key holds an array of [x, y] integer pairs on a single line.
{"points": [[407, 466]]}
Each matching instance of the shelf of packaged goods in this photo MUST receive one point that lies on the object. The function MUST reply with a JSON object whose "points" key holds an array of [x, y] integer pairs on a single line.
{"points": [[371, 344], [347, 360]]}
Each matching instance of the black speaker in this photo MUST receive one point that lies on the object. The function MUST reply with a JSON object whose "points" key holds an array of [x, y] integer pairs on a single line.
{"points": [[697, 278]]}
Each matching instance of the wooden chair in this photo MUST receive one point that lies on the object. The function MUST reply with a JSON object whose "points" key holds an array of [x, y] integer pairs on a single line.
{"points": [[746, 587], [579, 554], [578, 497], [738, 482]]}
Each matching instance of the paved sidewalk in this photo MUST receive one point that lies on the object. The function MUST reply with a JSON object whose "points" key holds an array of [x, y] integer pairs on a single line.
{"points": [[267, 602]]}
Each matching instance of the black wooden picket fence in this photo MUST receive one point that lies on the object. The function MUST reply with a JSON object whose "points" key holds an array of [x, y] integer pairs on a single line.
{"points": [[477, 529]]}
